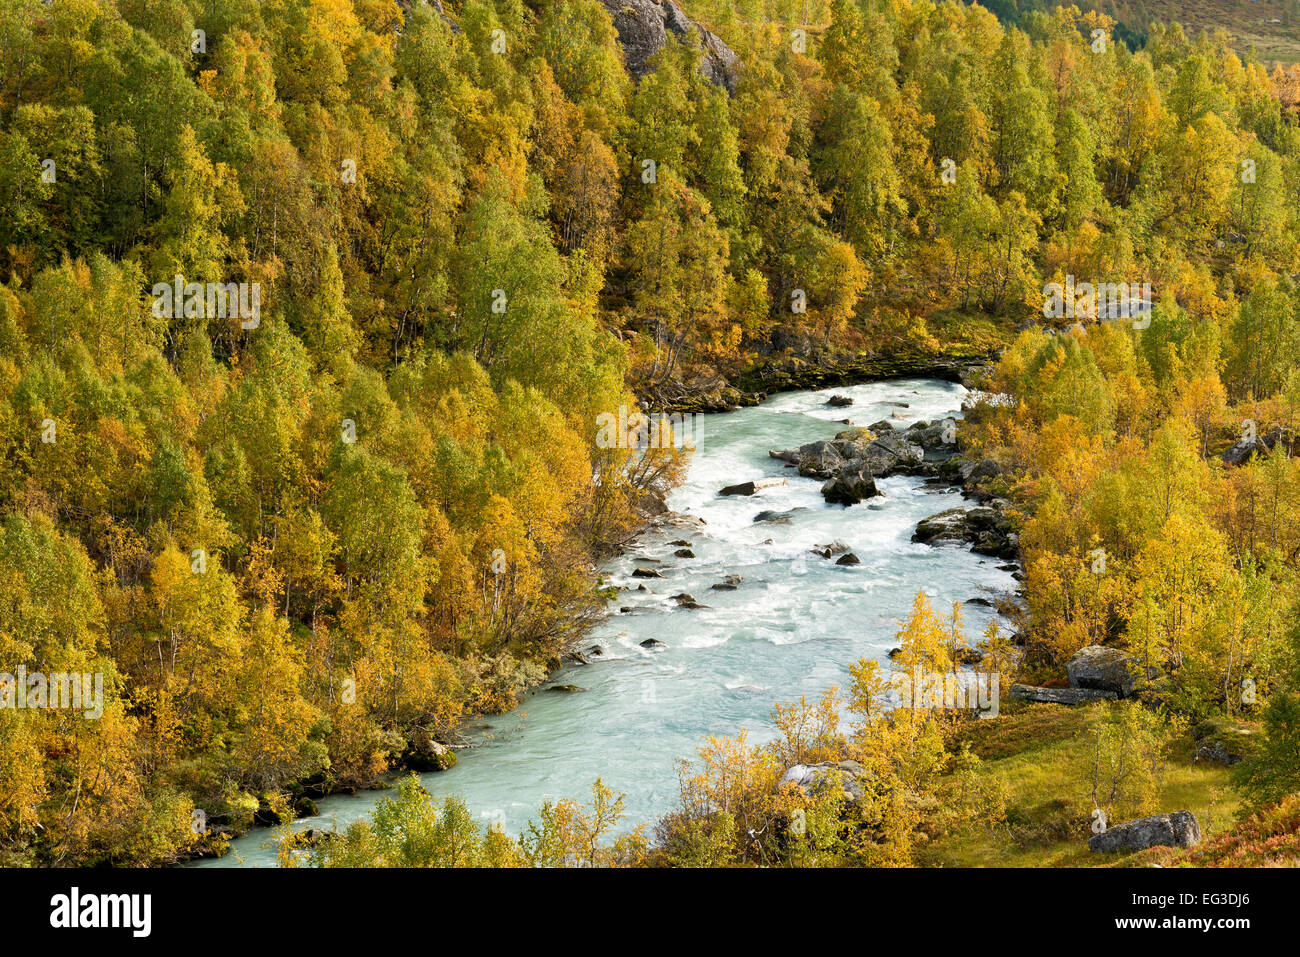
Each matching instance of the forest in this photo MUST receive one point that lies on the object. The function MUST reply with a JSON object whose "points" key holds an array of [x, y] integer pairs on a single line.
{"points": [[303, 542]]}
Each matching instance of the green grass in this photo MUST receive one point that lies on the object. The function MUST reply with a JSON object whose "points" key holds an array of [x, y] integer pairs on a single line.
{"points": [[971, 333], [1247, 22], [1039, 754]]}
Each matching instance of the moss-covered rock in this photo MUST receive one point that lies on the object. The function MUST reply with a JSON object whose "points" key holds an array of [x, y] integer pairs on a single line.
{"points": [[429, 755]]}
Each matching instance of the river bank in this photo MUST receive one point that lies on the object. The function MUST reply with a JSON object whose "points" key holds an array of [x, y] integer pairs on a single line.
{"points": [[773, 376], [668, 671]]}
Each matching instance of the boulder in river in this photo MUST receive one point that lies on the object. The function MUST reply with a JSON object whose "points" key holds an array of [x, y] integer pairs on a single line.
{"points": [[565, 689], [839, 401], [819, 459], [777, 518], [984, 527], [972, 471], [830, 550], [654, 644], [939, 437], [854, 449], [754, 487], [313, 836], [1103, 669], [848, 559], [890, 453], [849, 487], [960, 524], [684, 553], [429, 755], [677, 520], [646, 573], [1179, 829]]}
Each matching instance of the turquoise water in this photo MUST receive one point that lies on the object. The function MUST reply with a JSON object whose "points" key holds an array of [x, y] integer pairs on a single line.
{"points": [[792, 628]]}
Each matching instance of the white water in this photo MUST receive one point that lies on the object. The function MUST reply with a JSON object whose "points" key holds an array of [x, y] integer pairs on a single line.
{"points": [[792, 628]]}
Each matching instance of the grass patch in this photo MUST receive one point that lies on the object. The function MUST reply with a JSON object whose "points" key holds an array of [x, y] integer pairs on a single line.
{"points": [[1268, 838], [1039, 753], [971, 333], [1249, 23]]}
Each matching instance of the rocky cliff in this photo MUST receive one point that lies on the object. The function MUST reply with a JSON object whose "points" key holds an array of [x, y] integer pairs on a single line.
{"points": [[643, 27]]}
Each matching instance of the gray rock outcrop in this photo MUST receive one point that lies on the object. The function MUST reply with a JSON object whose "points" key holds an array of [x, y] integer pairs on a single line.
{"points": [[814, 779], [1179, 829], [1104, 669], [643, 27], [849, 487], [986, 528], [1070, 696]]}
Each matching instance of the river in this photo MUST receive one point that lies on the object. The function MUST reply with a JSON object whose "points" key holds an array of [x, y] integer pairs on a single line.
{"points": [[792, 627]]}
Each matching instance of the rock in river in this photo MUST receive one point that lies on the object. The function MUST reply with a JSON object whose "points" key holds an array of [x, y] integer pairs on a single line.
{"points": [[836, 547], [565, 689], [430, 756], [984, 527], [849, 487], [752, 488], [854, 449]]}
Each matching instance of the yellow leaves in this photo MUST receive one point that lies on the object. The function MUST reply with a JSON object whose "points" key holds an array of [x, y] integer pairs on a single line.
{"points": [[505, 549], [1202, 170], [1202, 402], [262, 579], [810, 732], [22, 768], [734, 778], [925, 640], [1127, 760], [840, 281], [572, 835], [272, 736], [1071, 604]]}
